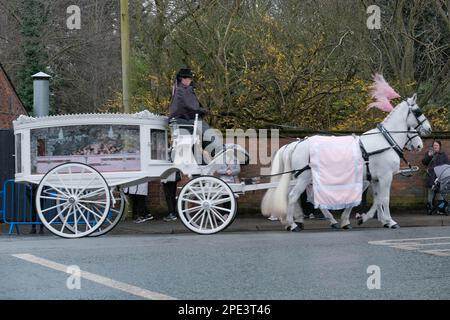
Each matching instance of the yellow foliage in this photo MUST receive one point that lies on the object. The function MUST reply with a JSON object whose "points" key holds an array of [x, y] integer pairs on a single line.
{"points": [[439, 117], [137, 103]]}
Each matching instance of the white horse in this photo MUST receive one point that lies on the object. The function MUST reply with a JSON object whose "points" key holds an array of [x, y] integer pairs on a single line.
{"points": [[414, 143], [383, 163]]}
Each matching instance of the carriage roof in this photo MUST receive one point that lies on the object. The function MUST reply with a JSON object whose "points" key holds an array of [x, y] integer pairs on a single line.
{"points": [[141, 118]]}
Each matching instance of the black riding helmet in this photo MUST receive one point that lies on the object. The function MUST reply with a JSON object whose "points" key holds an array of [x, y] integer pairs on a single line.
{"points": [[185, 73]]}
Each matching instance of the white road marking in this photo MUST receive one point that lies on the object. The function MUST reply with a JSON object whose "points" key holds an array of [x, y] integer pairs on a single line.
{"points": [[415, 244], [388, 242], [437, 252], [144, 293], [408, 248], [432, 244]]}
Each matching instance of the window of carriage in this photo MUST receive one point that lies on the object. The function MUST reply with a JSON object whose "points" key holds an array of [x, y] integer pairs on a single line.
{"points": [[107, 148], [158, 144], [18, 153]]}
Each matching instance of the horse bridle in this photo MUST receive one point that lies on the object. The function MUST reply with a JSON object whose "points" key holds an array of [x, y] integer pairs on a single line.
{"points": [[393, 145], [410, 136], [417, 113]]}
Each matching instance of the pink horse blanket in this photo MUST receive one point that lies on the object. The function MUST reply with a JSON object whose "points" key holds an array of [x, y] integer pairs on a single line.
{"points": [[337, 171]]}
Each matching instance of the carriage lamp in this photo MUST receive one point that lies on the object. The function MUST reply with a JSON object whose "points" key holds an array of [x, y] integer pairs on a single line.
{"points": [[61, 134], [110, 132]]}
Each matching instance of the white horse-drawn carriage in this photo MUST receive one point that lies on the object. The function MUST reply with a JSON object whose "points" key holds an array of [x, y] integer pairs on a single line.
{"points": [[80, 163]]}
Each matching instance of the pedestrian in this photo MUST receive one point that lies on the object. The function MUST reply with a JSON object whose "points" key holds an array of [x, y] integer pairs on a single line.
{"points": [[138, 194], [170, 193], [184, 106], [229, 172], [433, 158]]}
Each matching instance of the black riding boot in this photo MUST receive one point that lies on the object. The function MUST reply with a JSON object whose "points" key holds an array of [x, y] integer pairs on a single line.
{"points": [[429, 209]]}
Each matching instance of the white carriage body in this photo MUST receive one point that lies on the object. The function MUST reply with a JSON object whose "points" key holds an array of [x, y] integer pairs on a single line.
{"points": [[77, 161], [125, 148]]}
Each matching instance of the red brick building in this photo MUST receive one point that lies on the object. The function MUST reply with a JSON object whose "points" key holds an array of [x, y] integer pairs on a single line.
{"points": [[10, 105], [10, 108]]}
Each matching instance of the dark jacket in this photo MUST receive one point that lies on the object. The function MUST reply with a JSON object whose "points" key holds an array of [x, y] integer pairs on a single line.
{"points": [[435, 160], [185, 104]]}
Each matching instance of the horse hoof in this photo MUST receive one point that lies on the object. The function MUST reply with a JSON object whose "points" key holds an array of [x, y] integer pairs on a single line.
{"points": [[296, 229], [335, 226], [347, 227], [360, 221], [395, 226], [386, 226], [300, 225]]}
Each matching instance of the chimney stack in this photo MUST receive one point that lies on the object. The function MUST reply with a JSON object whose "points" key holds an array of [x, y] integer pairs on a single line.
{"points": [[41, 94]]}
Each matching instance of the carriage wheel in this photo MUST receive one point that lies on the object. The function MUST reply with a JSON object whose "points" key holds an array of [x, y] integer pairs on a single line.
{"points": [[206, 205], [73, 200], [115, 214]]}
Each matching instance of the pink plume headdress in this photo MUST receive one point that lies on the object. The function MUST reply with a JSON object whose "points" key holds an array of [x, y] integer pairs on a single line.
{"points": [[382, 92]]}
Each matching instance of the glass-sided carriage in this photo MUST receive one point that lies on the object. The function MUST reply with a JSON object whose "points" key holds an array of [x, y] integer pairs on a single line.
{"points": [[80, 163]]}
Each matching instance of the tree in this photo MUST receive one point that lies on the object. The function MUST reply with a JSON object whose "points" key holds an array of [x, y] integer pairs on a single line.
{"points": [[33, 16]]}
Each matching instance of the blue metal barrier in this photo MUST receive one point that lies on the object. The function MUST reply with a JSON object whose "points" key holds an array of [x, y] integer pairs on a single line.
{"points": [[17, 205], [18, 208], [2, 211]]}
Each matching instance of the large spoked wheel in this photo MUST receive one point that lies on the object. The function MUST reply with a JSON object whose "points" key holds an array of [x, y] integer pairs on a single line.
{"points": [[115, 213], [73, 200], [114, 216], [206, 205]]}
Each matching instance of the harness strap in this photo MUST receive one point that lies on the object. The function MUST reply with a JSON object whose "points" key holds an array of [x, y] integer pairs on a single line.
{"points": [[393, 143], [366, 156], [300, 171], [390, 140], [254, 179]]}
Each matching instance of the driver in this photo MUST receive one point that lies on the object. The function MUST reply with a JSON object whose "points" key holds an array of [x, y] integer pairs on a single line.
{"points": [[185, 105]]}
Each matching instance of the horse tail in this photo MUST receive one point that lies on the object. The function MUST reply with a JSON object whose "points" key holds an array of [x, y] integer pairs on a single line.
{"points": [[280, 194], [277, 167]]}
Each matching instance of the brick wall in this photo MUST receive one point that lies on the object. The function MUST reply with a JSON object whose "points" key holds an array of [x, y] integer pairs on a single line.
{"points": [[406, 192], [10, 105], [411, 191]]}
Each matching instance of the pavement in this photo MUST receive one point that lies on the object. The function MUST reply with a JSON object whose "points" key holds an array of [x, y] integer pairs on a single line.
{"points": [[243, 222]]}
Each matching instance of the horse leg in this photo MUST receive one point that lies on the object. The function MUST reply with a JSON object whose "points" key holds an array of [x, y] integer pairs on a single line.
{"points": [[361, 218], [345, 219], [297, 214], [386, 218], [293, 197], [374, 208], [382, 212], [383, 202], [390, 223], [329, 216], [368, 215]]}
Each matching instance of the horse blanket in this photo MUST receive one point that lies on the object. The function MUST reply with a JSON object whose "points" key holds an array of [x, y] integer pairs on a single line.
{"points": [[337, 171]]}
